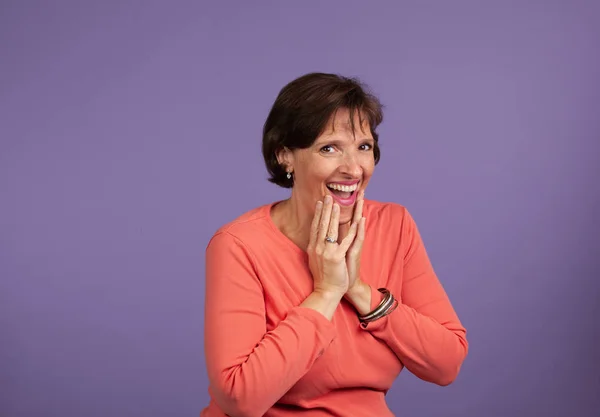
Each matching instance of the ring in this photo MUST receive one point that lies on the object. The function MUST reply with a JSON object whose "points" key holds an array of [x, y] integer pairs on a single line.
{"points": [[330, 239]]}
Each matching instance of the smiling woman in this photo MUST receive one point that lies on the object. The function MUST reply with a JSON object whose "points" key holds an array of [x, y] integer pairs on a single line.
{"points": [[311, 308], [339, 163]]}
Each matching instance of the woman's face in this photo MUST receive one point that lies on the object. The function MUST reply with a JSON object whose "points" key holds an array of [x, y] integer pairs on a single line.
{"points": [[339, 163]]}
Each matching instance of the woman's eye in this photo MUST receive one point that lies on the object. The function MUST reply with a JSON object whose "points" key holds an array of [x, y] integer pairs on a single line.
{"points": [[366, 147], [327, 149]]}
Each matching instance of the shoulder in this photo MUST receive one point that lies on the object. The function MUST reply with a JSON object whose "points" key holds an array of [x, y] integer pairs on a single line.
{"points": [[246, 228], [385, 214], [389, 218]]}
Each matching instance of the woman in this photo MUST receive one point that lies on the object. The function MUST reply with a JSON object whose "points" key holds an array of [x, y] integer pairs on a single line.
{"points": [[315, 304]]}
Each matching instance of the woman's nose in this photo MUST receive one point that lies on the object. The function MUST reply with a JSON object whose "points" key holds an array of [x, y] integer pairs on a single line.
{"points": [[351, 166]]}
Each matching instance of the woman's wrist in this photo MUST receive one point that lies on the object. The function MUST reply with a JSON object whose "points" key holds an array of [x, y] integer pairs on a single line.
{"points": [[359, 295], [323, 301]]}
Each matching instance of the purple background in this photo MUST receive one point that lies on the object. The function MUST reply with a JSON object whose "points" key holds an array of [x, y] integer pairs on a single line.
{"points": [[130, 131]]}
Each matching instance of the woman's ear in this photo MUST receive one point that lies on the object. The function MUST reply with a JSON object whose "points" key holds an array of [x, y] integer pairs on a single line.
{"points": [[285, 158]]}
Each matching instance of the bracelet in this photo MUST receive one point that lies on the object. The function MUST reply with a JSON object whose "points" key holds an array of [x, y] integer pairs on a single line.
{"points": [[385, 303], [385, 307]]}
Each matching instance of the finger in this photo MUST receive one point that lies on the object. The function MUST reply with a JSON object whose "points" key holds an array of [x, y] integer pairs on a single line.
{"points": [[360, 235], [358, 209], [314, 227], [335, 222], [362, 227], [347, 241], [325, 219], [356, 245]]}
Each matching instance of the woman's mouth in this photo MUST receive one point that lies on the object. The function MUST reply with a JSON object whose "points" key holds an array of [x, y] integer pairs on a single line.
{"points": [[344, 195]]}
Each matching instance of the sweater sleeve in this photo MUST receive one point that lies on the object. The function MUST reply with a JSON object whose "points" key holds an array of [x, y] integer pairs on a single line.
{"points": [[424, 331], [250, 368]]}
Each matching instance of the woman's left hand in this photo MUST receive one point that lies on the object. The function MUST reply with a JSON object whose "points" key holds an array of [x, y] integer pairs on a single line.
{"points": [[355, 250]]}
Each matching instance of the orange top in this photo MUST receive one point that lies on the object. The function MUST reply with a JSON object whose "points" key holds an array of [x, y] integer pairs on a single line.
{"points": [[265, 355]]}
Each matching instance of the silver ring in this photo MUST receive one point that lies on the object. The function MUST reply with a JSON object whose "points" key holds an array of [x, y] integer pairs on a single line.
{"points": [[330, 239]]}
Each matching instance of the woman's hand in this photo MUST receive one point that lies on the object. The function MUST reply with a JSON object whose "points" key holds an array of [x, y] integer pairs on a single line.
{"points": [[359, 293], [327, 260], [355, 250]]}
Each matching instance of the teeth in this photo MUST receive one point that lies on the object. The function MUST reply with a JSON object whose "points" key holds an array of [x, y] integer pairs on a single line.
{"points": [[345, 188]]}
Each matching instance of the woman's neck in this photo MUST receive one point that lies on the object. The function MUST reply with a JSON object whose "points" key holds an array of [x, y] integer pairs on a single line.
{"points": [[294, 219]]}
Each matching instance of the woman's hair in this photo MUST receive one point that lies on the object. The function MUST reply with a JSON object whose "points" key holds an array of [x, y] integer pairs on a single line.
{"points": [[302, 111]]}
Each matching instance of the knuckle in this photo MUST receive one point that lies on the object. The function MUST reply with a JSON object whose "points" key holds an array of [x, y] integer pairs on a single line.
{"points": [[330, 256], [338, 256]]}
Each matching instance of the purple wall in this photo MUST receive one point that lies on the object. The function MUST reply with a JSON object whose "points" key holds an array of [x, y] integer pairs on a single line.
{"points": [[131, 130]]}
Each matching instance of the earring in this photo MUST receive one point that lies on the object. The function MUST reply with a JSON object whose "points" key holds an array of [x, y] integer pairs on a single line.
{"points": [[289, 175]]}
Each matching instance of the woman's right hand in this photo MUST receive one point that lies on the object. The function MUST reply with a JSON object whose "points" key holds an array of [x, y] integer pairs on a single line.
{"points": [[327, 261]]}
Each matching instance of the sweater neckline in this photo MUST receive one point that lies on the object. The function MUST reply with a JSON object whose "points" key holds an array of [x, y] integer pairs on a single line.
{"points": [[280, 236]]}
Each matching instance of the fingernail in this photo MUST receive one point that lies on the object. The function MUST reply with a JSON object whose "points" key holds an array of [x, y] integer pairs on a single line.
{"points": [[327, 198]]}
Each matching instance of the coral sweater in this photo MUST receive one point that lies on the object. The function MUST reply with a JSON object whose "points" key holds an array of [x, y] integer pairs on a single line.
{"points": [[266, 356]]}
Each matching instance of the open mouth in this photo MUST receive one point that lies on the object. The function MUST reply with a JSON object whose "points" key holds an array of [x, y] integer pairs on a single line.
{"points": [[343, 192]]}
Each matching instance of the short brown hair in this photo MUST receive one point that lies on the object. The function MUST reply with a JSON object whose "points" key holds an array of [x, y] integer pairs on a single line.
{"points": [[304, 107]]}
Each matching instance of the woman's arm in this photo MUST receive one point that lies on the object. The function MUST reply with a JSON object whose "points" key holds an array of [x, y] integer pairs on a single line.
{"points": [[424, 331], [250, 368]]}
